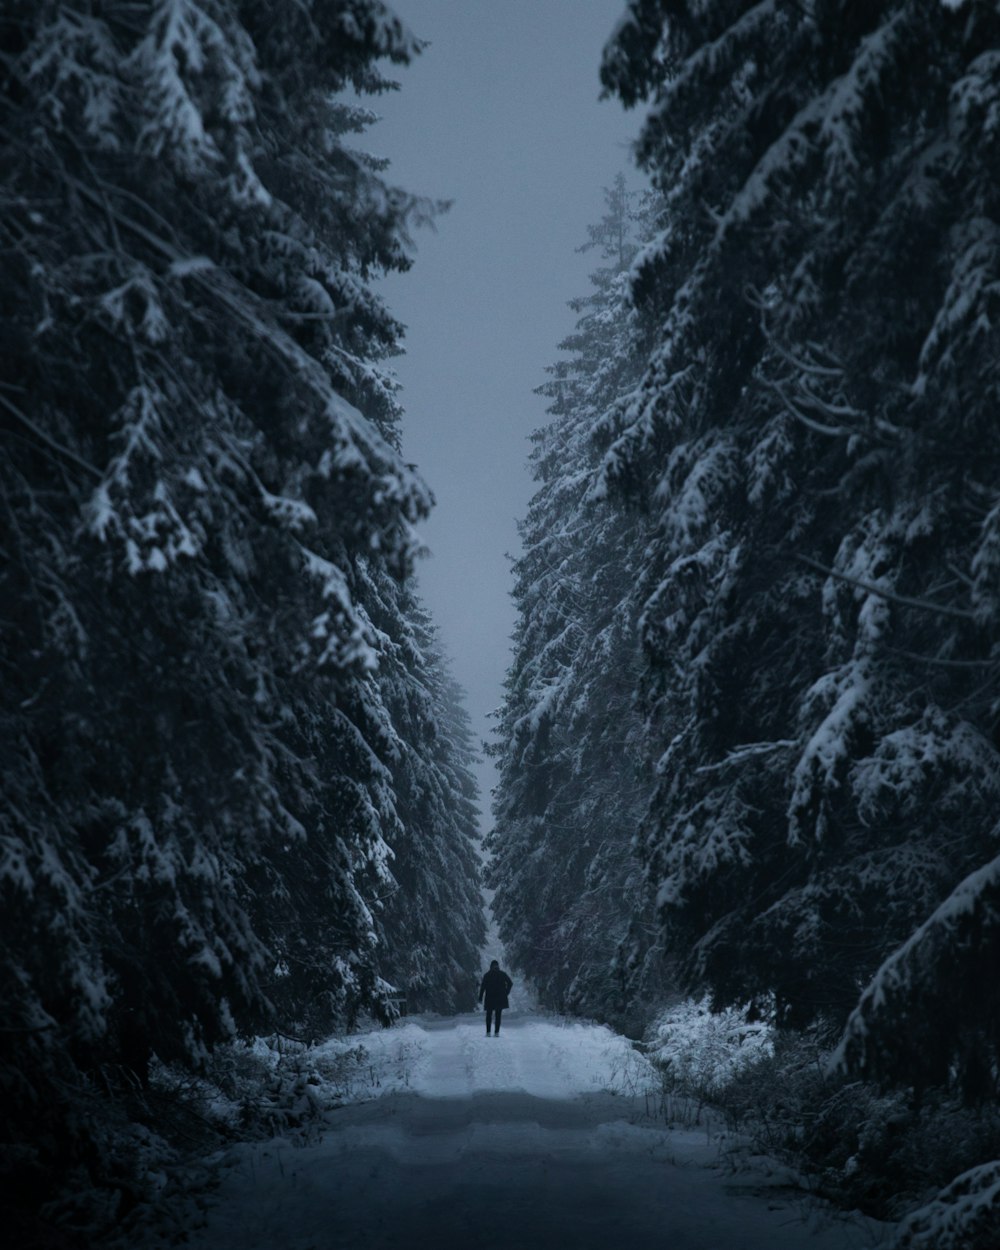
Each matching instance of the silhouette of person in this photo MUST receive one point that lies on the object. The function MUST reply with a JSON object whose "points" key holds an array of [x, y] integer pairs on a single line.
{"points": [[494, 988]]}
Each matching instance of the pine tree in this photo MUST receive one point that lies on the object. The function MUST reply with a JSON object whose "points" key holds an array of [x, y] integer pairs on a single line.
{"points": [[200, 484], [816, 437], [432, 914], [571, 784]]}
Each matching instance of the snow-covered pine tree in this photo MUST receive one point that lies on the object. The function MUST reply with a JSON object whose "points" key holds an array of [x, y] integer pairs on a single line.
{"points": [[816, 436], [432, 914], [199, 470], [571, 786]]}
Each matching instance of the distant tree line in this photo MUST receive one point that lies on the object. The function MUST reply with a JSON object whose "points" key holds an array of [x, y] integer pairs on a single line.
{"points": [[236, 774], [751, 736]]}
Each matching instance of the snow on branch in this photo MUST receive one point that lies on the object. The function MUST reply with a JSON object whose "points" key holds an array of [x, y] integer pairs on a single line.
{"points": [[963, 1215], [923, 605], [749, 750], [931, 981]]}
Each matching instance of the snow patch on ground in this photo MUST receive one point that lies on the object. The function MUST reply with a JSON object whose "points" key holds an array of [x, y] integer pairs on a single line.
{"points": [[546, 1058]]}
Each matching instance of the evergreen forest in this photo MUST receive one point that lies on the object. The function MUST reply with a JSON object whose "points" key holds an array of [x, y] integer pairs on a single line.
{"points": [[748, 743], [236, 769]]}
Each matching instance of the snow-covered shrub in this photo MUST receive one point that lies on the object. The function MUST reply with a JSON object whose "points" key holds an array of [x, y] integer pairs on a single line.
{"points": [[860, 1146], [873, 1150], [848, 1145], [774, 1097], [276, 1084], [699, 1051]]}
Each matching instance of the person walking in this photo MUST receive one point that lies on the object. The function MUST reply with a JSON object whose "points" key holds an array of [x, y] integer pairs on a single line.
{"points": [[495, 987]]}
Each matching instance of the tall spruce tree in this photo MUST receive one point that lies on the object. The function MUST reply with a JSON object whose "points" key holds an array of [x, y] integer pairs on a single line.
{"points": [[432, 914], [816, 438], [200, 485], [572, 786]]}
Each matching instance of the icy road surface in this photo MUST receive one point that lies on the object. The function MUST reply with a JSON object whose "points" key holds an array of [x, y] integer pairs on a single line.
{"points": [[509, 1142]]}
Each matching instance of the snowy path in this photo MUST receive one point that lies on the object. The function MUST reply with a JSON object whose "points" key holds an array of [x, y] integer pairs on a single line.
{"points": [[506, 1143]]}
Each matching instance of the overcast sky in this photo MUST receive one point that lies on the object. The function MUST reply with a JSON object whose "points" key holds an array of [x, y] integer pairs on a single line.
{"points": [[501, 115]]}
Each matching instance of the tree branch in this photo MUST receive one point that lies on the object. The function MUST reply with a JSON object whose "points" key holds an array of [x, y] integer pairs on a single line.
{"points": [[831, 431], [49, 442], [925, 605], [935, 659]]}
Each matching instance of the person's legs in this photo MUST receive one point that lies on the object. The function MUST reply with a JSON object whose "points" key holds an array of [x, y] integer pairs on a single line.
{"points": [[497, 1029], [489, 1020]]}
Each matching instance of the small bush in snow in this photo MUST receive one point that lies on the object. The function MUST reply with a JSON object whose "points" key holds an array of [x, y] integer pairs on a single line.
{"points": [[699, 1051], [864, 1147]]}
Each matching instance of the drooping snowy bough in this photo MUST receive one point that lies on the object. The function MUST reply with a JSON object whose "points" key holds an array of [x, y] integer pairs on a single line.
{"points": [[939, 975]]}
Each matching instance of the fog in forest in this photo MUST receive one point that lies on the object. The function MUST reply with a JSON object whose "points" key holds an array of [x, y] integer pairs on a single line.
{"points": [[500, 116]]}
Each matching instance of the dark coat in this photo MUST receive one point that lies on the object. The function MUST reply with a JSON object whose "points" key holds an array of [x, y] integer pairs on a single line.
{"points": [[495, 987]]}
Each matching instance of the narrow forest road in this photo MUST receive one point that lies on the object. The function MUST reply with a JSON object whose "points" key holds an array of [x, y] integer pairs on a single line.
{"points": [[506, 1142]]}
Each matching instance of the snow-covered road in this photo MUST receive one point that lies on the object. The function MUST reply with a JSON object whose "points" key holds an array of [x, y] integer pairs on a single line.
{"points": [[512, 1142]]}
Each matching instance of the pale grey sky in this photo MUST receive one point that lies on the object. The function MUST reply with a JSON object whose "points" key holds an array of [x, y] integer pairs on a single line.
{"points": [[501, 115]]}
